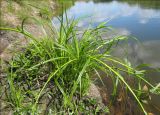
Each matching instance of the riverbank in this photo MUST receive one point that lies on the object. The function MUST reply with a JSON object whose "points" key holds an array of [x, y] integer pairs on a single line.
{"points": [[65, 65], [12, 14]]}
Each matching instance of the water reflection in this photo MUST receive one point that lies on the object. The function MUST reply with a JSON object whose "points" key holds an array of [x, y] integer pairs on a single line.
{"points": [[128, 17], [146, 4], [149, 4], [143, 23], [138, 53], [148, 53]]}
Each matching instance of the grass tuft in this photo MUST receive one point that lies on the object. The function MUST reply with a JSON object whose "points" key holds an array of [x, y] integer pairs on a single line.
{"points": [[58, 69]]}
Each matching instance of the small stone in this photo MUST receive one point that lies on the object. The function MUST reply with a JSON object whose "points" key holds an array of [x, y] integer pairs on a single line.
{"points": [[119, 99], [3, 45], [145, 88], [87, 108], [150, 114]]}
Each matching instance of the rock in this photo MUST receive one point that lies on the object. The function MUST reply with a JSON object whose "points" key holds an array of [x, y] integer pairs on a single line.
{"points": [[94, 93], [3, 45], [145, 88], [150, 114]]}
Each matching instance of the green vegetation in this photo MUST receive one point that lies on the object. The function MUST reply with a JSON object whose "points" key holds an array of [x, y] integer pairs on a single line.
{"points": [[150, 4], [59, 67], [52, 74], [14, 11], [153, 4]]}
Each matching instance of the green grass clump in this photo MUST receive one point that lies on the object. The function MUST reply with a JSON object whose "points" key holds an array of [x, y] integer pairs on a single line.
{"points": [[54, 73]]}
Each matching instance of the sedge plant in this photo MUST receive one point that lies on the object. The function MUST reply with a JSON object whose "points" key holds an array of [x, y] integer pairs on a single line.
{"points": [[60, 66]]}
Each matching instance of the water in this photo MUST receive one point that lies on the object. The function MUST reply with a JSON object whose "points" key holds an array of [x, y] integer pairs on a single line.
{"points": [[139, 18], [134, 19]]}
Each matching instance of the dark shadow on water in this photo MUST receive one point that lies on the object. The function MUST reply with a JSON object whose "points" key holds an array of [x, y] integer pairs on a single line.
{"points": [[149, 4]]}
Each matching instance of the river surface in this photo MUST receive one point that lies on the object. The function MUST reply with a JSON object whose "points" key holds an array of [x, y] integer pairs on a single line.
{"points": [[138, 18]]}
